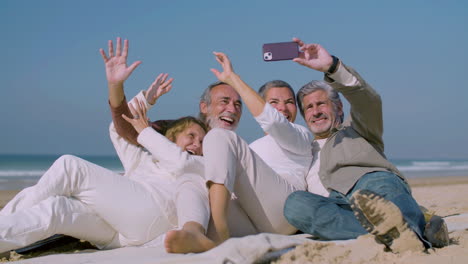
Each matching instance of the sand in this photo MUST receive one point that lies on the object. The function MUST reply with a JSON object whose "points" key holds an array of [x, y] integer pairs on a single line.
{"points": [[445, 196]]}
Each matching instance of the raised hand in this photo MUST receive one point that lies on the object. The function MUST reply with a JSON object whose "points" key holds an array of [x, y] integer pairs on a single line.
{"points": [[116, 64], [313, 56], [139, 120], [228, 71], [159, 87]]}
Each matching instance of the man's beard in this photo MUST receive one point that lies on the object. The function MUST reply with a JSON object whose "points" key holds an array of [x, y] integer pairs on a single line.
{"points": [[216, 122]]}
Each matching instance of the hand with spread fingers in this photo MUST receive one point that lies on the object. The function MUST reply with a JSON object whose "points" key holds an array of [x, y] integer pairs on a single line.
{"points": [[116, 64], [313, 56], [139, 120], [159, 87], [228, 72]]}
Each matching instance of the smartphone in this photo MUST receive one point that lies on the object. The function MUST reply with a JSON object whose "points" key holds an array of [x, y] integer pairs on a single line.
{"points": [[280, 51]]}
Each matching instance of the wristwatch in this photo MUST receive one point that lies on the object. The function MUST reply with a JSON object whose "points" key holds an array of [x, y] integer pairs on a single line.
{"points": [[334, 65]]}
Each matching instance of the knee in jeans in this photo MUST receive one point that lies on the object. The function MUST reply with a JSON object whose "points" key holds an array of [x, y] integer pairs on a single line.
{"points": [[292, 205], [383, 182]]}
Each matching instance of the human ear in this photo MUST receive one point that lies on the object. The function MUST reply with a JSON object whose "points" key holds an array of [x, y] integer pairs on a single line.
{"points": [[340, 108], [203, 107]]}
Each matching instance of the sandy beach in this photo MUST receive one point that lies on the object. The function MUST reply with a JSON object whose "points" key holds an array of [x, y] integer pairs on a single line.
{"points": [[446, 196]]}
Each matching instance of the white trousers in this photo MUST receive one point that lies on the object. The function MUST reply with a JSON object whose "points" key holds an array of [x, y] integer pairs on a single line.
{"points": [[260, 191], [192, 204], [54, 215], [191, 199], [81, 199]]}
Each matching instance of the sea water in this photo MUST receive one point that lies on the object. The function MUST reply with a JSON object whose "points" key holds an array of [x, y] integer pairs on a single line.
{"points": [[20, 171]]}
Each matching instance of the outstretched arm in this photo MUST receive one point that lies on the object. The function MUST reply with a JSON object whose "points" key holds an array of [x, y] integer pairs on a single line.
{"points": [[254, 102], [117, 72], [366, 105], [271, 121]]}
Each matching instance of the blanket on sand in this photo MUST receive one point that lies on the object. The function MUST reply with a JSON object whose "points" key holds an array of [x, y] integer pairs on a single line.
{"points": [[247, 249]]}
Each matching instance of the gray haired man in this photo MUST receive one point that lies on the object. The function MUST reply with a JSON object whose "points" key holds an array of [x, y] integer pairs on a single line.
{"points": [[352, 188]]}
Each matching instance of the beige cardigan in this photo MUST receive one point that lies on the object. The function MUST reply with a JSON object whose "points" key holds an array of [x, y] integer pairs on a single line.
{"points": [[356, 147]]}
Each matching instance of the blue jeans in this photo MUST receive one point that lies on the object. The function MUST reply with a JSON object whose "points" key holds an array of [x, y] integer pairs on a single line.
{"points": [[331, 218]]}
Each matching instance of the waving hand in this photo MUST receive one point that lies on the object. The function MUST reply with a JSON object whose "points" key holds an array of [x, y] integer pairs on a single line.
{"points": [[116, 64], [159, 87], [228, 72]]}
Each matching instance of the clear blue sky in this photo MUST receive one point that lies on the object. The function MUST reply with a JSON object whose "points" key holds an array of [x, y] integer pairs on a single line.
{"points": [[53, 86]]}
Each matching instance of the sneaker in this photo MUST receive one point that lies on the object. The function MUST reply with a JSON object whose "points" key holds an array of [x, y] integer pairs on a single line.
{"points": [[436, 232], [384, 220]]}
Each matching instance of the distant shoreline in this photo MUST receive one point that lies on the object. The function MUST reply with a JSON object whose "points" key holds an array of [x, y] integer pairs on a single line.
{"points": [[18, 171], [15, 184]]}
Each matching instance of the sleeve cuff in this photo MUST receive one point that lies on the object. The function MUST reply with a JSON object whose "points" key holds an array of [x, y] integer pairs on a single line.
{"points": [[141, 97], [268, 117], [343, 76]]}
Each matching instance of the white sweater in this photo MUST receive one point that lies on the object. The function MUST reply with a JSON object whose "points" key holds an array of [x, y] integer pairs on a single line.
{"points": [[287, 147], [157, 165]]}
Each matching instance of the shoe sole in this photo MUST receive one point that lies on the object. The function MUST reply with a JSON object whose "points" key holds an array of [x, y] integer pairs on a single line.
{"points": [[436, 232], [384, 220]]}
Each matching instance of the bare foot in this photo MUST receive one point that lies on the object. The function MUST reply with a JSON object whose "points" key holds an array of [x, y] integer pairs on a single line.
{"points": [[183, 241]]}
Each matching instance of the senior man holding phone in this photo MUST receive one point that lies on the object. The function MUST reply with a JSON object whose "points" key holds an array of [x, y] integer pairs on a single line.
{"points": [[353, 188]]}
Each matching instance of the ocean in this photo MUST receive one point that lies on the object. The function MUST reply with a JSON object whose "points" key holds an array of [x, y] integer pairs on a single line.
{"points": [[20, 171]]}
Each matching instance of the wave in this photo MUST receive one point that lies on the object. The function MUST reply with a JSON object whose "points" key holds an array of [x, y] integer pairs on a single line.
{"points": [[409, 166], [29, 173], [433, 166], [19, 173]]}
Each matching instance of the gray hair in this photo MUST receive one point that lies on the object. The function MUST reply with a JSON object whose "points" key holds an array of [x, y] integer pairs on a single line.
{"points": [[206, 98], [313, 86], [275, 83]]}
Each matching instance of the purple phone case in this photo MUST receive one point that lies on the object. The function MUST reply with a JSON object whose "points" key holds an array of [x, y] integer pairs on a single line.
{"points": [[280, 51]]}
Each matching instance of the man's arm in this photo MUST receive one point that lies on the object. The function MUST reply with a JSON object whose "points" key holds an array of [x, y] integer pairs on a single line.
{"points": [[366, 105], [159, 87], [292, 137], [122, 127], [251, 98], [117, 72], [271, 121]]}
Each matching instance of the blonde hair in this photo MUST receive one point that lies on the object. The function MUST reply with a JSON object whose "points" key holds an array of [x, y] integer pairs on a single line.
{"points": [[179, 125]]}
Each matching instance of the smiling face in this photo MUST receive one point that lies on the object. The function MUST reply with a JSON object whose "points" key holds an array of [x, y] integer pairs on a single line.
{"points": [[191, 139], [282, 99], [225, 108], [319, 113]]}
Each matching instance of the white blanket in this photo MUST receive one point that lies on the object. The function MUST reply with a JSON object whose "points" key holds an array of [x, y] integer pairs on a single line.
{"points": [[235, 250]]}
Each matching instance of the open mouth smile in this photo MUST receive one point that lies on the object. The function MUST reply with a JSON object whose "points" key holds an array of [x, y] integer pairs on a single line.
{"points": [[226, 119]]}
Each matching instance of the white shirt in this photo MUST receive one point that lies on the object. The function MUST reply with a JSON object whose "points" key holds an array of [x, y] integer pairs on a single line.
{"points": [[157, 165], [314, 184], [287, 148]]}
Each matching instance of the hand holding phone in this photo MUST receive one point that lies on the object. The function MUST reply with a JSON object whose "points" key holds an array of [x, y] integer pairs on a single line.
{"points": [[280, 51]]}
